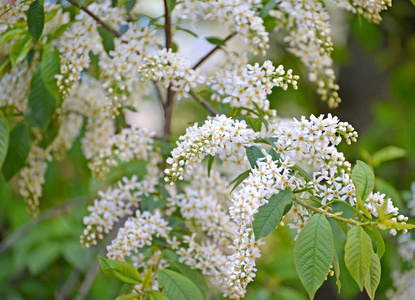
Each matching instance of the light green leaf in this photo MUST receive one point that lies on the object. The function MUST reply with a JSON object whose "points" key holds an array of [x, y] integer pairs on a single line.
{"points": [[4, 66], [36, 19], [147, 279], [50, 67], [386, 154], [41, 105], [363, 178], [336, 267], [155, 295], [357, 254], [176, 286], [170, 5], [380, 243], [10, 34], [253, 153], [373, 276], [120, 270], [238, 180], [313, 253], [4, 139], [16, 155], [254, 123], [267, 7], [270, 214], [216, 41], [131, 296], [302, 172], [20, 49]]}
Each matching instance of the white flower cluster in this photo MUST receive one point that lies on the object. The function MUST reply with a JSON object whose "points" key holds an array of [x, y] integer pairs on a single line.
{"points": [[404, 284], [172, 69], [130, 143], [219, 135], [11, 12], [32, 177], [81, 38], [251, 88], [240, 16], [137, 232], [117, 202], [309, 39], [370, 9], [15, 86]]}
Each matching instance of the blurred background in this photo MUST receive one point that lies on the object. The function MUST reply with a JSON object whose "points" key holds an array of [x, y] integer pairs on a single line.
{"points": [[375, 64]]}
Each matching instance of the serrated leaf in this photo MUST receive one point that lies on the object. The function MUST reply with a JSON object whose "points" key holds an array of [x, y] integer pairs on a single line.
{"points": [[274, 154], [363, 179], [16, 155], [373, 276], [120, 270], [155, 295], [4, 139], [20, 49], [171, 4], [380, 243], [254, 123], [270, 214], [131, 296], [386, 154], [241, 177], [210, 163], [107, 39], [215, 41], [357, 253], [41, 105], [10, 34], [36, 19], [178, 287], [129, 5], [313, 253], [49, 68], [253, 153], [336, 267]]}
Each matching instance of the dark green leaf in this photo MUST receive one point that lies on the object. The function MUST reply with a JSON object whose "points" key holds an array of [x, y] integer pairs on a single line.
{"points": [[176, 286], [210, 163], [253, 153], [148, 203], [4, 139], [373, 276], [274, 154], [49, 68], [114, 3], [4, 66], [270, 214], [357, 253], [380, 243], [254, 123], [36, 19], [216, 41], [80, 2], [171, 5], [155, 295], [129, 5], [239, 179], [16, 155], [120, 270], [313, 253], [188, 31], [20, 49], [107, 39], [41, 105]]}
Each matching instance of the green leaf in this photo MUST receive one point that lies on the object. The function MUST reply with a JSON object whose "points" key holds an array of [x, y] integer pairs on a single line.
{"points": [[49, 15], [313, 253], [129, 5], [80, 2], [254, 123], [16, 155], [336, 267], [155, 295], [10, 34], [270, 214], [363, 178], [210, 163], [20, 49], [343, 226], [4, 66], [176, 286], [380, 243], [267, 7], [216, 41], [170, 5], [253, 153], [386, 154], [58, 32], [189, 32], [148, 203], [120, 270], [274, 154], [36, 19], [147, 279], [373, 276], [107, 39], [41, 105], [357, 252], [49, 68], [194, 275], [238, 180], [4, 139], [302, 172], [132, 296]]}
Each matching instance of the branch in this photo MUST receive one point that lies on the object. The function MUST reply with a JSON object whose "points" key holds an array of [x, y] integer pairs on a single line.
{"points": [[202, 60], [203, 102], [96, 18]]}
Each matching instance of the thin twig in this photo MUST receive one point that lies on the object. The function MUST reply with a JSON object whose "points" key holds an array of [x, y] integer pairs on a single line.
{"points": [[96, 18], [204, 58], [203, 102], [46, 215]]}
